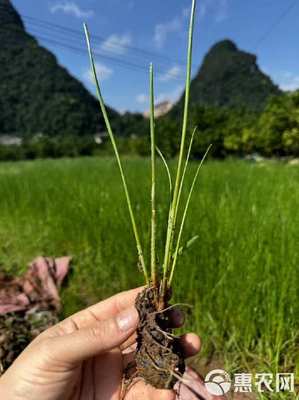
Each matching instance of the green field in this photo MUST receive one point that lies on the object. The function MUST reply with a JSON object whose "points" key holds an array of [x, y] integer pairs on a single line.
{"points": [[241, 275]]}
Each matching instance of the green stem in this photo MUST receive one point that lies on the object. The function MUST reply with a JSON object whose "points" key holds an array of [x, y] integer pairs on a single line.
{"points": [[175, 256], [167, 169], [186, 165], [153, 168], [174, 204], [111, 135]]}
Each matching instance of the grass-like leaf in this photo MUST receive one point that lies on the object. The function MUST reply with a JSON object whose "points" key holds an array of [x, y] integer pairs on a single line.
{"points": [[111, 135], [174, 204], [175, 256], [188, 244], [153, 189], [167, 169], [185, 167]]}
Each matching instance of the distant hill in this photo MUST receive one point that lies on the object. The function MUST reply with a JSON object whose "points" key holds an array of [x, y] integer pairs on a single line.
{"points": [[230, 77], [37, 95], [160, 109]]}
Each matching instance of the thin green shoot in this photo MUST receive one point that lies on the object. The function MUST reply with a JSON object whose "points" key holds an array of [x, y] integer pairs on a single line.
{"points": [[167, 169], [186, 164], [153, 189], [188, 244], [175, 256], [191, 241], [174, 203], [111, 135]]}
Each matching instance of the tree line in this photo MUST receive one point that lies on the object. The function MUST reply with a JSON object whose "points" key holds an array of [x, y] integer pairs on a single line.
{"points": [[233, 132]]}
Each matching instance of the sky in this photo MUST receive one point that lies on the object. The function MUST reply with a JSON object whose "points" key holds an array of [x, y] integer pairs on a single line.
{"points": [[129, 34]]}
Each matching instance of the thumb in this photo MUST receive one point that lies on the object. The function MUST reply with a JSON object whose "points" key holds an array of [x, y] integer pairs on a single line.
{"points": [[98, 338]]}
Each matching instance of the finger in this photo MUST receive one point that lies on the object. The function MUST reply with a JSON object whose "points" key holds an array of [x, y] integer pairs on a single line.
{"points": [[194, 388], [87, 387], [115, 304], [129, 361], [191, 344], [129, 349], [108, 375], [140, 390], [97, 312], [88, 342], [129, 343]]}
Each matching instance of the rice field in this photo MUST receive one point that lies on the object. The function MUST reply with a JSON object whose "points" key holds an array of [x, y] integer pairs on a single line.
{"points": [[241, 275]]}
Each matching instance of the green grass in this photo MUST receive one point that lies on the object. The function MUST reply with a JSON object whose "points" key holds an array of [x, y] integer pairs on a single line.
{"points": [[241, 274]]}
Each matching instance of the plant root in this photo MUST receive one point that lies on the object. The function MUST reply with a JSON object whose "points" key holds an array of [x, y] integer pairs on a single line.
{"points": [[159, 356]]}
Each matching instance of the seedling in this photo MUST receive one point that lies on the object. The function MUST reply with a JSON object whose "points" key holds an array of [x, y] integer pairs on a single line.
{"points": [[159, 357]]}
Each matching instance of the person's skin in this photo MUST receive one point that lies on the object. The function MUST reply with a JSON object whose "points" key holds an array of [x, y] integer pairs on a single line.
{"points": [[82, 357]]}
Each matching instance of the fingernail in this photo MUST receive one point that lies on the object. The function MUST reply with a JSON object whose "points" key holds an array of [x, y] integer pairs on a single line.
{"points": [[127, 319]]}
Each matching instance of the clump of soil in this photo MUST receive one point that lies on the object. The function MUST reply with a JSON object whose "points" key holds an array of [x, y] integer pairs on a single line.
{"points": [[159, 356]]}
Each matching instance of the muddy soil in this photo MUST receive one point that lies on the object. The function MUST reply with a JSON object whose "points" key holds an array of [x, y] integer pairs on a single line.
{"points": [[159, 356]]}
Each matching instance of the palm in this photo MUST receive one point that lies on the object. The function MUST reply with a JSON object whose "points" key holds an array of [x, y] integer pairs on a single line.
{"points": [[78, 359], [101, 378]]}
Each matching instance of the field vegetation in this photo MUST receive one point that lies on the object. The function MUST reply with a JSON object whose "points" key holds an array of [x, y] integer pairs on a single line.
{"points": [[241, 274]]}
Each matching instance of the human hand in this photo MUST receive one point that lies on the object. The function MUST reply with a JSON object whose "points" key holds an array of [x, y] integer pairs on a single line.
{"points": [[82, 357]]}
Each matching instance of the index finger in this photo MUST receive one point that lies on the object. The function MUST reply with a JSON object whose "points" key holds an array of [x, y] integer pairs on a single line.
{"points": [[98, 312], [114, 305]]}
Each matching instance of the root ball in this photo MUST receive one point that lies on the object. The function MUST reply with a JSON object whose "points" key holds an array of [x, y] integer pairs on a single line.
{"points": [[159, 356]]}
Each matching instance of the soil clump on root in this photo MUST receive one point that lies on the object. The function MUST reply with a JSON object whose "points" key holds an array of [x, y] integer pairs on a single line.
{"points": [[159, 355]]}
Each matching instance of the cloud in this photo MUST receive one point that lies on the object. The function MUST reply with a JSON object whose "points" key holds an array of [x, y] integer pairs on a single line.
{"points": [[203, 8], [288, 81], [217, 8], [287, 75], [174, 72], [163, 30], [171, 96], [186, 12], [103, 73], [142, 98], [71, 8], [222, 11], [117, 44]]}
